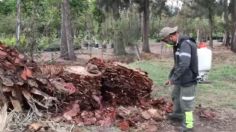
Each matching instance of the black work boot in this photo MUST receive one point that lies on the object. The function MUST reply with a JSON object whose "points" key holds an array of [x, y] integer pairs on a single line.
{"points": [[175, 116], [183, 129]]}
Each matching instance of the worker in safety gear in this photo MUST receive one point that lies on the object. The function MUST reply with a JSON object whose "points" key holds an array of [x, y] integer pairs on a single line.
{"points": [[183, 76]]}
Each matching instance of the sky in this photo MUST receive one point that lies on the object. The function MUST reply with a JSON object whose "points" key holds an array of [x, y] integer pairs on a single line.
{"points": [[174, 3]]}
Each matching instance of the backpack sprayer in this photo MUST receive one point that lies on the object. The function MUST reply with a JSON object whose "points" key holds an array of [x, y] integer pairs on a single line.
{"points": [[204, 62]]}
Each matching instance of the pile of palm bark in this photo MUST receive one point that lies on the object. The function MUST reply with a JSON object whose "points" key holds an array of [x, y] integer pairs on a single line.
{"points": [[122, 85], [109, 116], [91, 95], [25, 84]]}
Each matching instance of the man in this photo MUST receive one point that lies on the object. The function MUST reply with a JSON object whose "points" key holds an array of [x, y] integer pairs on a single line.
{"points": [[183, 76]]}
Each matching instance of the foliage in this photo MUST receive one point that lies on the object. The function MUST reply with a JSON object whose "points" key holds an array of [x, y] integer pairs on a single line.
{"points": [[101, 20], [11, 41], [45, 43], [7, 24], [7, 7], [129, 27], [113, 6], [126, 25]]}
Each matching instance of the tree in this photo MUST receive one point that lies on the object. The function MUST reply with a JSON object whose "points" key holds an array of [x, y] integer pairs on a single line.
{"points": [[144, 7], [209, 8], [158, 7], [227, 24], [233, 15], [158, 10], [146, 13], [114, 7], [30, 14], [7, 6], [67, 48], [144, 10], [7, 14], [32, 10], [80, 11], [204, 8]]}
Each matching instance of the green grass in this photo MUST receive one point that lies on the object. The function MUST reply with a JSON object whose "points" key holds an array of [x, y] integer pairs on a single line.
{"points": [[221, 92], [157, 71]]}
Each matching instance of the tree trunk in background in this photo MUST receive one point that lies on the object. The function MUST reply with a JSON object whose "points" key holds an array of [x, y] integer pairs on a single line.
{"points": [[159, 26], [18, 23], [119, 47], [67, 47], [234, 41], [32, 34], [233, 45], [63, 46], [210, 36], [226, 41], [69, 33], [211, 28], [141, 25], [198, 36], [33, 42], [146, 27]]}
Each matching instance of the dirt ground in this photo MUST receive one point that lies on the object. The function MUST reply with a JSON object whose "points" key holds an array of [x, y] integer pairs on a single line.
{"points": [[224, 121]]}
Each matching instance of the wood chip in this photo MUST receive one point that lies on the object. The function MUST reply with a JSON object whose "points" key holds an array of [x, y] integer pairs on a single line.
{"points": [[16, 104]]}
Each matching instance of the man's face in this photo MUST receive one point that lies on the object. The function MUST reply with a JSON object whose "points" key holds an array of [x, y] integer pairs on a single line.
{"points": [[169, 40]]}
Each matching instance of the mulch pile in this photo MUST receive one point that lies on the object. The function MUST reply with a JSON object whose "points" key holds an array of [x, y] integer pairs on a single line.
{"points": [[91, 95]]}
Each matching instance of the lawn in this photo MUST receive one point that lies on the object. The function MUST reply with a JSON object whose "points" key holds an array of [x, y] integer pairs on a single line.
{"points": [[219, 93]]}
